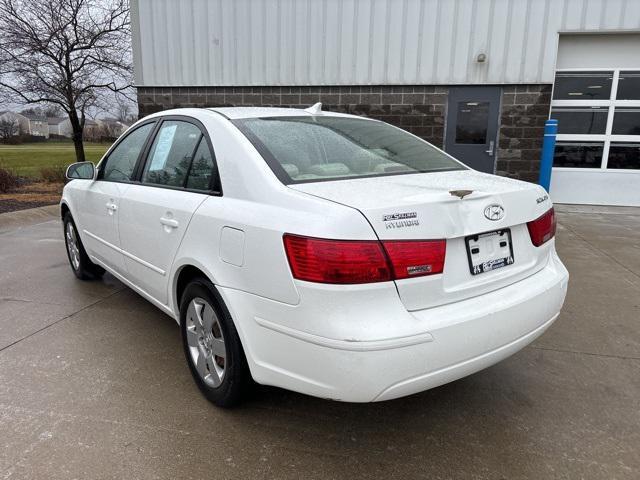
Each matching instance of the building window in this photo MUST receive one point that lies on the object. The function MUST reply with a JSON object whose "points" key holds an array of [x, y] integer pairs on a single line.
{"points": [[624, 155], [626, 121], [581, 120], [578, 155], [598, 115], [582, 86], [471, 122], [629, 86]]}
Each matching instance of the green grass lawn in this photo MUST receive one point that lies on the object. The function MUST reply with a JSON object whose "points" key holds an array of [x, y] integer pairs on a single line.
{"points": [[27, 159]]}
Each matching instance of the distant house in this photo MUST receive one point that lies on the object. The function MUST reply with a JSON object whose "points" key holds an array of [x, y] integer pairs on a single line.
{"points": [[59, 126], [37, 125], [92, 129], [112, 127], [20, 120]]}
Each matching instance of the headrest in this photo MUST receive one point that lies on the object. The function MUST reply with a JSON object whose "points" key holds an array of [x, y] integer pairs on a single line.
{"points": [[329, 169], [291, 169], [390, 167]]}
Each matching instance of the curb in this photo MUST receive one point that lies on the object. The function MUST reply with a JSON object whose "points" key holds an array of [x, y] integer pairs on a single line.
{"points": [[31, 216], [596, 209]]}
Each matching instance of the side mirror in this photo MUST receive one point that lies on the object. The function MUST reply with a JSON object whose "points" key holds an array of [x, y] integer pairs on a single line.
{"points": [[81, 171]]}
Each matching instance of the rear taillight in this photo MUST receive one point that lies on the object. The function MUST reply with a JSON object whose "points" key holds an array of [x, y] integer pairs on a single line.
{"points": [[336, 261], [361, 261], [543, 228], [415, 258]]}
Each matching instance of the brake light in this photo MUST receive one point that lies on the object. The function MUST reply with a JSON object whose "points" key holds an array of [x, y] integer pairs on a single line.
{"points": [[362, 261], [336, 261], [543, 228], [415, 258]]}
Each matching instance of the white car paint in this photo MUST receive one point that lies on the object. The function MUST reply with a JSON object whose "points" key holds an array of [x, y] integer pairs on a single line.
{"points": [[361, 342]]}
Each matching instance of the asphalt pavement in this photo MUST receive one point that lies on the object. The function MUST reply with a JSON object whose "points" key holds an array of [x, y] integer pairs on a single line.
{"points": [[94, 385]]}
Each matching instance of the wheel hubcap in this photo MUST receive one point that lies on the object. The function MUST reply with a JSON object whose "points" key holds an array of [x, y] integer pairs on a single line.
{"points": [[72, 246], [206, 342]]}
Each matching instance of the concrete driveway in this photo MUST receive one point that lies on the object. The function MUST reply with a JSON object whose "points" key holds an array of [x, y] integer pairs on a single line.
{"points": [[93, 384]]}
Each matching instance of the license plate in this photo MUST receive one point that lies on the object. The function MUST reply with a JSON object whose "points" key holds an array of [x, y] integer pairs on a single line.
{"points": [[489, 251]]}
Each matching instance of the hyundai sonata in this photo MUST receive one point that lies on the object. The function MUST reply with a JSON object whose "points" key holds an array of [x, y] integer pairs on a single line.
{"points": [[325, 253]]}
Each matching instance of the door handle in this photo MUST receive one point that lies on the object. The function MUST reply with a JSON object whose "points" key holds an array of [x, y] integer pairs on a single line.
{"points": [[112, 207], [491, 145], [169, 222]]}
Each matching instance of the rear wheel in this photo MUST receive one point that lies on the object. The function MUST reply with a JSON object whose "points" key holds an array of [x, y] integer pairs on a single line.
{"points": [[212, 346], [82, 267]]}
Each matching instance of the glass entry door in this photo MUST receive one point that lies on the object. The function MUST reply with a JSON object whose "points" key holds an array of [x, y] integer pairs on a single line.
{"points": [[472, 126]]}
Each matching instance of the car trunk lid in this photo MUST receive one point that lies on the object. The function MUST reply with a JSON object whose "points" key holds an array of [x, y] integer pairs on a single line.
{"points": [[451, 206]]}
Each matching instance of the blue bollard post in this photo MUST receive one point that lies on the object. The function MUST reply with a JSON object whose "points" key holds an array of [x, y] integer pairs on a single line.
{"points": [[548, 146]]}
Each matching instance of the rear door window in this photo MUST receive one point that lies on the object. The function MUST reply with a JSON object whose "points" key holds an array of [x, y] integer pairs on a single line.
{"points": [[202, 168], [171, 154]]}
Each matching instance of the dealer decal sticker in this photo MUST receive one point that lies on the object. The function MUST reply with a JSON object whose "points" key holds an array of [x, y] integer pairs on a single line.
{"points": [[400, 220]]}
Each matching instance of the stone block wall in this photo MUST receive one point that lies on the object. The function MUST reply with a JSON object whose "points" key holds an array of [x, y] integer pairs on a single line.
{"points": [[419, 109], [524, 110]]}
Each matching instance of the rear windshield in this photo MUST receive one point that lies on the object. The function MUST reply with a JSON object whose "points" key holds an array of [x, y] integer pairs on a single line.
{"points": [[315, 149]]}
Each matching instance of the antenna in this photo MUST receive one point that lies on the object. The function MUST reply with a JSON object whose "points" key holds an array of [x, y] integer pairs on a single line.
{"points": [[314, 109]]}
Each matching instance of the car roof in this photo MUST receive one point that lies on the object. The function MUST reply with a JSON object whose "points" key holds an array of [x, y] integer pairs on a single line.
{"points": [[234, 113]]}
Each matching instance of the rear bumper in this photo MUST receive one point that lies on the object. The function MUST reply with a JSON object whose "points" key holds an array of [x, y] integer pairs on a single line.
{"points": [[414, 351]]}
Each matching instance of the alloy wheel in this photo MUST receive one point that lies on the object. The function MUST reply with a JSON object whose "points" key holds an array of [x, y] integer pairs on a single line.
{"points": [[206, 342], [72, 246]]}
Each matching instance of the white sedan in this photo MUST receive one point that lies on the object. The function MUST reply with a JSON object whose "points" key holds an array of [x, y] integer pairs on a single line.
{"points": [[328, 254]]}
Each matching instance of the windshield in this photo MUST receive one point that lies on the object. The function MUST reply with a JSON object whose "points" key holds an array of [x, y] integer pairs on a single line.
{"points": [[315, 149]]}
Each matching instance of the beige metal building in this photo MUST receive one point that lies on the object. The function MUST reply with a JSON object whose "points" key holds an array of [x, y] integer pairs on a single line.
{"points": [[476, 77]]}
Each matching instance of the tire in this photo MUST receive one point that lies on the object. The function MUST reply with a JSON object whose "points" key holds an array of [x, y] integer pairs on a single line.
{"points": [[212, 346], [82, 267]]}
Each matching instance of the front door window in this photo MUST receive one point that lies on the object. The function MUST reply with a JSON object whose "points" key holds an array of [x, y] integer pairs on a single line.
{"points": [[121, 162]]}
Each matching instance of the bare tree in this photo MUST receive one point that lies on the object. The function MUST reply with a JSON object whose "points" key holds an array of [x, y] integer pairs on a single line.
{"points": [[8, 129], [65, 53], [124, 111], [52, 110], [32, 111]]}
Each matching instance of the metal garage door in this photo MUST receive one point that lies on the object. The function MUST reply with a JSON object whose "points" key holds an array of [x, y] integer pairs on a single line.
{"points": [[596, 100]]}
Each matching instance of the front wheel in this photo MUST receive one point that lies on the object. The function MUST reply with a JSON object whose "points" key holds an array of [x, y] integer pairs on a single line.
{"points": [[212, 346], [82, 267]]}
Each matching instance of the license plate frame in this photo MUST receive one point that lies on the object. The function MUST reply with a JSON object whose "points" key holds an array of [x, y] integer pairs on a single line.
{"points": [[479, 264]]}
